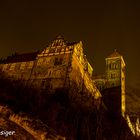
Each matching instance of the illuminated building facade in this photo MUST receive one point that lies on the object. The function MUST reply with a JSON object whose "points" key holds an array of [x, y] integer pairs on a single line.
{"points": [[112, 83], [62, 65], [59, 65]]}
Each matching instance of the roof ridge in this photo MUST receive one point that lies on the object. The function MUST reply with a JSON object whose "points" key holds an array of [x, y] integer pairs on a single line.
{"points": [[114, 54]]}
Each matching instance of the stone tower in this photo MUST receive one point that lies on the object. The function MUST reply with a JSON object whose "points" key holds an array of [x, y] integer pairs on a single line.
{"points": [[115, 77]]}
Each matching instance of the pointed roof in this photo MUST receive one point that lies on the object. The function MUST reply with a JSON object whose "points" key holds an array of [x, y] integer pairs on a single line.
{"points": [[114, 54], [58, 41]]}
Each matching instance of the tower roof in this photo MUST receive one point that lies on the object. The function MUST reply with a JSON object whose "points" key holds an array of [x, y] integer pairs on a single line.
{"points": [[114, 54]]}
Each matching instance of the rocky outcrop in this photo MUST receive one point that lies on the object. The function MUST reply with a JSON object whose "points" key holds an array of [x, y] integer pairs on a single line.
{"points": [[64, 113], [34, 129], [132, 100]]}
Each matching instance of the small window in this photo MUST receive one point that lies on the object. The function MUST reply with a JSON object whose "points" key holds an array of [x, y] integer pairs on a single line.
{"points": [[50, 73], [8, 66], [17, 67], [58, 61], [52, 50], [58, 49], [31, 64], [42, 83], [47, 85], [5, 66], [114, 66], [27, 64], [63, 49], [110, 66], [12, 67], [117, 66]]}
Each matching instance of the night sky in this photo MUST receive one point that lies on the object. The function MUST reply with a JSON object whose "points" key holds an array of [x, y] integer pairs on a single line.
{"points": [[102, 25]]}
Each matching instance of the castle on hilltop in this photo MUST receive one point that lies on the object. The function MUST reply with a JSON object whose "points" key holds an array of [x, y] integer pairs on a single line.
{"points": [[62, 64], [112, 83]]}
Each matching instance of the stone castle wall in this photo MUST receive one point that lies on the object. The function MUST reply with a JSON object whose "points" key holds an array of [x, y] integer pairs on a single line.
{"points": [[60, 65]]}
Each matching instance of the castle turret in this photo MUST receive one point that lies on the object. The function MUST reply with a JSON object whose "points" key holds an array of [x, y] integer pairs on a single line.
{"points": [[115, 75]]}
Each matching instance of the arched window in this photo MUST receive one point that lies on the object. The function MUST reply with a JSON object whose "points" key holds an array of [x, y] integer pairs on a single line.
{"points": [[114, 66], [50, 73], [113, 76], [110, 66], [117, 66]]}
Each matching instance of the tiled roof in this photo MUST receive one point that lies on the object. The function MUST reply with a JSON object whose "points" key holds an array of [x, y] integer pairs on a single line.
{"points": [[58, 41], [21, 57], [114, 54]]}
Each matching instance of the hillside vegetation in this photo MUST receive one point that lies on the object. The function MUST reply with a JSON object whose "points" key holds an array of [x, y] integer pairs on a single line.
{"points": [[133, 100], [57, 115]]}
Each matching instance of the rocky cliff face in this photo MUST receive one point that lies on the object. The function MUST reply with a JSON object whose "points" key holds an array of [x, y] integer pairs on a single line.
{"points": [[21, 126], [132, 100], [67, 115]]}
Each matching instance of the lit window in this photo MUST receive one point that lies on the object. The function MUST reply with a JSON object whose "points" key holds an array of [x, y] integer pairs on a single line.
{"points": [[42, 83], [29, 65], [50, 72], [8, 66], [113, 76], [114, 66], [40, 61], [12, 66], [26, 65], [23, 65]]}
